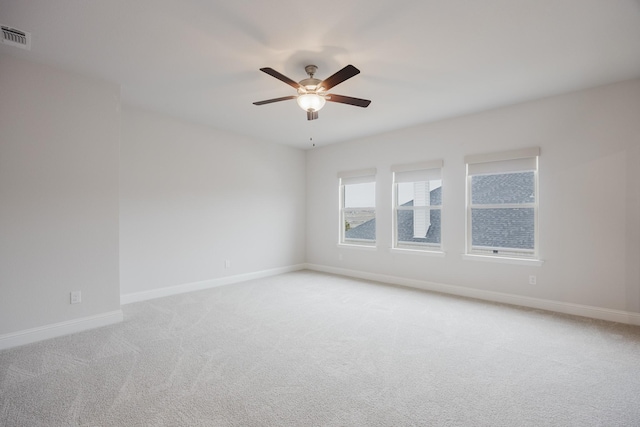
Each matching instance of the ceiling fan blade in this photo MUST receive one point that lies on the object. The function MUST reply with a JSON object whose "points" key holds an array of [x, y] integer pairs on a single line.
{"points": [[269, 101], [358, 102], [342, 75], [281, 77]]}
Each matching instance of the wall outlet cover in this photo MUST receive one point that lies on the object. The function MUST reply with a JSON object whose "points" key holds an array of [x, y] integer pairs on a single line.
{"points": [[76, 297]]}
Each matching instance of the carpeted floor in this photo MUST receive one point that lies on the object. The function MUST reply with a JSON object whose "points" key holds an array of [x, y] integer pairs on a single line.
{"points": [[310, 349]]}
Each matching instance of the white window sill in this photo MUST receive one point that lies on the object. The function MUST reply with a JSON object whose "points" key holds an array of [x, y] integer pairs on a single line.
{"points": [[358, 246], [503, 260], [423, 252]]}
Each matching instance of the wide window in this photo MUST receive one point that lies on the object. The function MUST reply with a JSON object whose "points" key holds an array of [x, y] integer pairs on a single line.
{"points": [[417, 206], [358, 207], [502, 204]]}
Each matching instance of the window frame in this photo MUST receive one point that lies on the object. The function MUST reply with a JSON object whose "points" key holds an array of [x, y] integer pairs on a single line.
{"points": [[515, 161], [426, 168], [350, 178]]}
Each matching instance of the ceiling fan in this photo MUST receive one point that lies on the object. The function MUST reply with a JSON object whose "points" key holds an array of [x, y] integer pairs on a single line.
{"points": [[312, 93]]}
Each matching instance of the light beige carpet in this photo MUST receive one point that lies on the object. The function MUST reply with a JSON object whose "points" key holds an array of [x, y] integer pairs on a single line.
{"points": [[310, 349]]}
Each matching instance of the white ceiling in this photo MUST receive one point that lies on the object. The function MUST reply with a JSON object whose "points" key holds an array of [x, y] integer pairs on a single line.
{"points": [[420, 61]]}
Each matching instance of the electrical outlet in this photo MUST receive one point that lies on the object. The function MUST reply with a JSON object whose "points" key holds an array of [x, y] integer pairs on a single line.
{"points": [[532, 280], [227, 263], [339, 257], [76, 297]]}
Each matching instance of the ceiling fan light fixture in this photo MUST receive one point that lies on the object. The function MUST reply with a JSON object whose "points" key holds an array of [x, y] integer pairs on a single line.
{"points": [[311, 101]]}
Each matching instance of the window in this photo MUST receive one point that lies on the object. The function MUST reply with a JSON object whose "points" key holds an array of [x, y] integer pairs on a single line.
{"points": [[358, 207], [417, 206], [502, 204]]}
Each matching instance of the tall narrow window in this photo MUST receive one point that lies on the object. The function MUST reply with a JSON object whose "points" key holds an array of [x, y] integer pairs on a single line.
{"points": [[417, 206], [502, 204], [358, 207]]}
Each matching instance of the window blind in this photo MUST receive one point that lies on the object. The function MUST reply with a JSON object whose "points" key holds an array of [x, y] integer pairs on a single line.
{"points": [[357, 177], [416, 172], [504, 162]]}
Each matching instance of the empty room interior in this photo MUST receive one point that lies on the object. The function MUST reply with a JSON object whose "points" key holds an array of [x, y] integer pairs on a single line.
{"points": [[346, 213]]}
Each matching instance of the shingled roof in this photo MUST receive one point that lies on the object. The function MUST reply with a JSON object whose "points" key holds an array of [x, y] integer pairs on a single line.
{"points": [[367, 230], [503, 228]]}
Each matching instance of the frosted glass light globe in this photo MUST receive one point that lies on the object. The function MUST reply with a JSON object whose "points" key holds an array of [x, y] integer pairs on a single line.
{"points": [[310, 102]]}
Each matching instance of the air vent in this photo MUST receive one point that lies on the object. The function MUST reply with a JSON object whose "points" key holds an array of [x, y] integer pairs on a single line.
{"points": [[16, 38]]}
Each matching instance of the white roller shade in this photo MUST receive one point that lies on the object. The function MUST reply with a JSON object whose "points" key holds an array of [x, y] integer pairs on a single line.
{"points": [[416, 172], [357, 177], [505, 162]]}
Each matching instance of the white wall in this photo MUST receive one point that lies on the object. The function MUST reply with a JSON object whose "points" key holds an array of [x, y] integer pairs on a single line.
{"points": [[589, 197], [58, 195], [193, 197]]}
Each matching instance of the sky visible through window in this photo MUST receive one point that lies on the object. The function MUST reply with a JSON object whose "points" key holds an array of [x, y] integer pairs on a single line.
{"points": [[360, 195], [406, 191], [364, 195]]}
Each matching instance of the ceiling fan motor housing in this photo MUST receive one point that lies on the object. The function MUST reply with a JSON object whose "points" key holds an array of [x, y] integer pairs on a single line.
{"points": [[310, 85]]}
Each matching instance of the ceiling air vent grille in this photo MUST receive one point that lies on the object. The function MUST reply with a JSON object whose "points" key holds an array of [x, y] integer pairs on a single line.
{"points": [[16, 38]]}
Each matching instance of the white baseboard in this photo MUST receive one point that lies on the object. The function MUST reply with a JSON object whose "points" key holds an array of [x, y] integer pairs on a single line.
{"points": [[205, 284], [619, 316], [32, 335]]}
